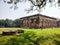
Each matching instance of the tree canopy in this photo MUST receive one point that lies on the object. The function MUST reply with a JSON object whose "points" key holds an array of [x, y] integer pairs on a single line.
{"points": [[9, 23], [39, 4]]}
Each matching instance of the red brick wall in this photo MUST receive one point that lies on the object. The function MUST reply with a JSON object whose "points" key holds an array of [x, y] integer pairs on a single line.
{"points": [[43, 22]]}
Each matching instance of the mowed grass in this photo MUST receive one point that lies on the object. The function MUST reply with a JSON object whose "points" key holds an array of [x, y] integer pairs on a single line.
{"points": [[48, 36]]}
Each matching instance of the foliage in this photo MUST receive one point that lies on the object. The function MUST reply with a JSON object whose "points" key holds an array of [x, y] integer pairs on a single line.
{"points": [[34, 3], [2, 23], [16, 23], [12, 41], [33, 37], [10, 23]]}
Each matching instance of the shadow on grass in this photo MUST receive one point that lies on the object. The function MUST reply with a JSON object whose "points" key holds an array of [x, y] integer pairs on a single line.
{"points": [[28, 38], [57, 42], [1, 35], [12, 41]]}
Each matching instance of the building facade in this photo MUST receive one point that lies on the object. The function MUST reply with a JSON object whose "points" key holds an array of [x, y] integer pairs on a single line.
{"points": [[58, 23], [38, 21]]}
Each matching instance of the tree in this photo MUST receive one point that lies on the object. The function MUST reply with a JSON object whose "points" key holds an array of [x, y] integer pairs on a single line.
{"points": [[8, 23], [2, 23], [34, 3], [16, 23]]}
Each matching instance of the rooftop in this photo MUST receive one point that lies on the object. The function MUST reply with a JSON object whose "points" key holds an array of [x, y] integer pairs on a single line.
{"points": [[40, 15]]}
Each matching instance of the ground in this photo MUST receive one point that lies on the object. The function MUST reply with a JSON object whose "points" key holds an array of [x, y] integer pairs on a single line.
{"points": [[49, 36]]}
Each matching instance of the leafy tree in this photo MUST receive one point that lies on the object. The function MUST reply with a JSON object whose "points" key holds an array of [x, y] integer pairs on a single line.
{"points": [[8, 23], [34, 3], [16, 23], [2, 24]]}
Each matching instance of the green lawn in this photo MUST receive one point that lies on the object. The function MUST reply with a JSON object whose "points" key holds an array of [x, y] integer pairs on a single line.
{"points": [[49, 36]]}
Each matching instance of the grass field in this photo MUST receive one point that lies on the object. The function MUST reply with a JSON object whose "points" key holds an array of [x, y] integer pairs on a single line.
{"points": [[49, 36]]}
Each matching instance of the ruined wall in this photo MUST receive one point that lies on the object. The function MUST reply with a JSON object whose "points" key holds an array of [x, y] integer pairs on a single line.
{"points": [[38, 21], [46, 22], [31, 22], [58, 23]]}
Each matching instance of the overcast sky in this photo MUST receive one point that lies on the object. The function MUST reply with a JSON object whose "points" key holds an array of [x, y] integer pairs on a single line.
{"points": [[6, 12]]}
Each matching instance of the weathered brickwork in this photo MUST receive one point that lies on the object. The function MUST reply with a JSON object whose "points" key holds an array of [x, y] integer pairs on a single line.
{"points": [[39, 21]]}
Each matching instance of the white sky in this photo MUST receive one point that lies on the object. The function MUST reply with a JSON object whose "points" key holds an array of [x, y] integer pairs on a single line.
{"points": [[6, 12]]}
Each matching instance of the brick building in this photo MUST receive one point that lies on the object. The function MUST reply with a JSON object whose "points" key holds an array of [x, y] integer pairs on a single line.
{"points": [[58, 23], [38, 21]]}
